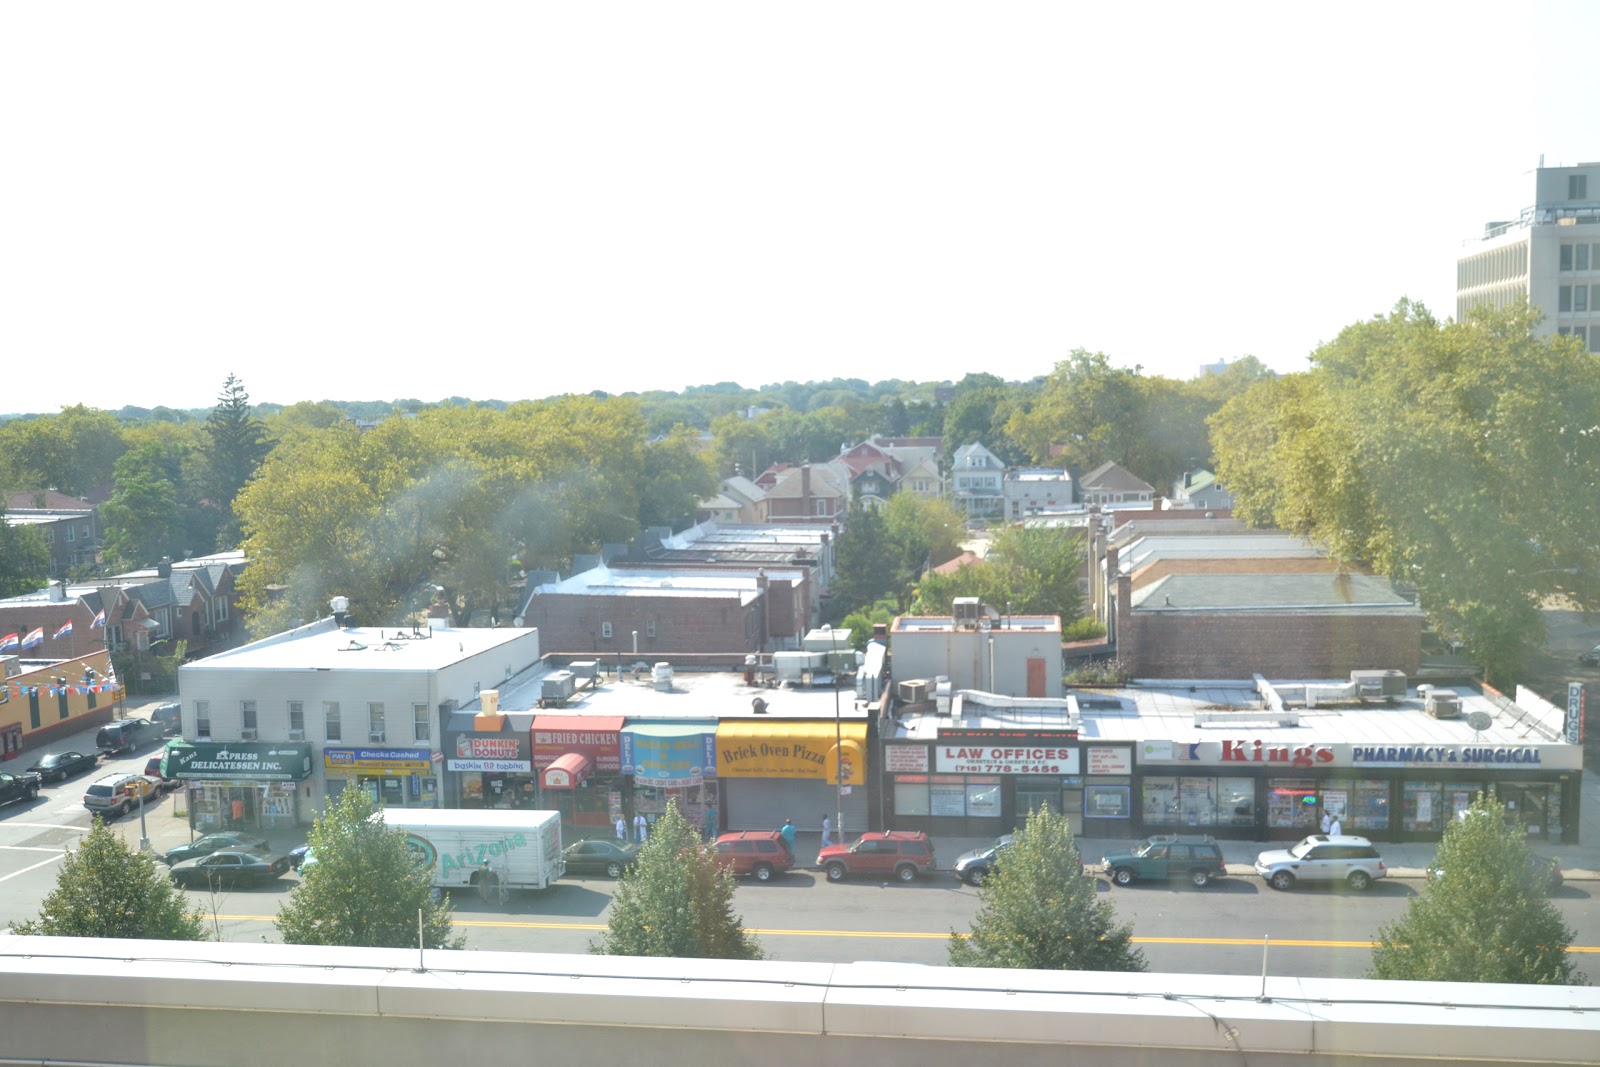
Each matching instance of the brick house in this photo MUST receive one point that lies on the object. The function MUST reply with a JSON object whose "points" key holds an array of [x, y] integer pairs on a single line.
{"points": [[69, 525], [811, 492]]}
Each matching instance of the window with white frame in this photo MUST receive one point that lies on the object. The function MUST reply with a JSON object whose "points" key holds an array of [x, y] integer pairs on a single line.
{"points": [[375, 721], [334, 729], [202, 718], [650, 627], [297, 718], [605, 630], [72, 532], [1577, 187], [247, 714], [420, 723]]}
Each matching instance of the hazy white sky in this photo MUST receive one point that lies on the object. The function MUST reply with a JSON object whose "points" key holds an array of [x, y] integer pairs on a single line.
{"points": [[368, 202]]}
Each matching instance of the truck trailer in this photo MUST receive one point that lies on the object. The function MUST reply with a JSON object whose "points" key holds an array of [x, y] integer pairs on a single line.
{"points": [[488, 850]]}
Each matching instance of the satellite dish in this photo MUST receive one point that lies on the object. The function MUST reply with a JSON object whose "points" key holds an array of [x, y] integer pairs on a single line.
{"points": [[1480, 720]]}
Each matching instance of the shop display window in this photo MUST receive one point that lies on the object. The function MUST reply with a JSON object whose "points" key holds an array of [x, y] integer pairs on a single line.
{"points": [[911, 794], [1369, 806], [1107, 802], [983, 797], [1197, 801], [1422, 806], [1292, 804], [947, 795], [1036, 793]]}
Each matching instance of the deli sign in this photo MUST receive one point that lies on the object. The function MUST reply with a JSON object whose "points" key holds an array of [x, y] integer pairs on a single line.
{"points": [[262, 761], [973, 758]]}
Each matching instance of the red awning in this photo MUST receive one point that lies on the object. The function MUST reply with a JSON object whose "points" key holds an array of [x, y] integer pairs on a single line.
{"points": [[567, 772]]}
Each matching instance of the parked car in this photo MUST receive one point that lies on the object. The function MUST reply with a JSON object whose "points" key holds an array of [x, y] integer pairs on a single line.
{"points": [[973, 867], [59, 766], [205, 846], [762, 853], [166, 719], [905, 854], [1323, 858], [230, 867], [152, 769], [118, 794], [1590, 658], [1542, 871], [124, 736], [599, 856], [19, 787], [1165, 856], [298, 854]]}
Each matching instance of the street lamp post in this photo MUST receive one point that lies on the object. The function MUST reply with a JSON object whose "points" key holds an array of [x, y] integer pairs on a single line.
{"points": [[838, 737], [144, 836]]}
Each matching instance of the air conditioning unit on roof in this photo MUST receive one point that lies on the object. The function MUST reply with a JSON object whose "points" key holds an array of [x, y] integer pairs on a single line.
{"points": [[1443, 704], [913, 691]]}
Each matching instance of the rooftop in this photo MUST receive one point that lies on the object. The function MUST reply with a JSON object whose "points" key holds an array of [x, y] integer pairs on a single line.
{"points": [[1266, 592], [946, 624], [322, 646], [627, 581]]}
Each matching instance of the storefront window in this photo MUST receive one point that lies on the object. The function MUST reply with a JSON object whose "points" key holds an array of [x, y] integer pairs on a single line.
{"points": [[983, 797], [1459, 796], [947, 795], [1369, 806], [1107, 802], [1422, 806], [1292, 804], [911, 794], [1196, 801], [1036, 793]]}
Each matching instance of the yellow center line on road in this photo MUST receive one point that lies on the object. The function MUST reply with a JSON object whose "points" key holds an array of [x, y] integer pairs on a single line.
{"points": [[493, 924]]}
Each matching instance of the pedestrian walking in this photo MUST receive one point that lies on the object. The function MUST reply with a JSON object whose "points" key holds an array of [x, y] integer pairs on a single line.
{"points": [[788, 834], [1335, 830], [827, 831], [622, 828], [1327, 823], [711, 823], [641, 827]]}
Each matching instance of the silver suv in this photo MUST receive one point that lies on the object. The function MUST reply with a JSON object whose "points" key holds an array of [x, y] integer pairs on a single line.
{"points": [[1321, 858]]}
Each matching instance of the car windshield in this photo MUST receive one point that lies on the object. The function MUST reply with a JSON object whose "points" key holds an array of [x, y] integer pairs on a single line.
{"points": [[1299, 851]]}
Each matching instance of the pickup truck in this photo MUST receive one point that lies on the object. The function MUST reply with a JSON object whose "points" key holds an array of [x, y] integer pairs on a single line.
{"points": [[19, 787]]}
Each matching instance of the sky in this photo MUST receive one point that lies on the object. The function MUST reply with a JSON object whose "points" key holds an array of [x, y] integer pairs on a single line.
{"points": [[347, 201]]}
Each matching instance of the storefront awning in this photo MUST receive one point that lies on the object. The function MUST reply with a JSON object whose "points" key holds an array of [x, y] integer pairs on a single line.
{"points": [[675, 753], [784, 749], [264, 761], [568, 772]]}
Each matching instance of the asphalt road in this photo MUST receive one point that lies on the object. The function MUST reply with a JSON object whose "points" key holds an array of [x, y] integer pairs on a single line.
{"points": [[1219, 929]]}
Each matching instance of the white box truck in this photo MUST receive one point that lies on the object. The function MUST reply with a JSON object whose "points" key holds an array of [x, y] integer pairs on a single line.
{"points": [[521, 848]]}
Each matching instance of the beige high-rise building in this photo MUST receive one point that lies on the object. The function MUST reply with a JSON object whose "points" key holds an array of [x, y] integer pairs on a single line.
{"points": [[1550, 254]]}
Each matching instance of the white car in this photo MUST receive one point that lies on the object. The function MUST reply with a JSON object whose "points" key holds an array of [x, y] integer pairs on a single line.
{"points": [[1321, 858]]}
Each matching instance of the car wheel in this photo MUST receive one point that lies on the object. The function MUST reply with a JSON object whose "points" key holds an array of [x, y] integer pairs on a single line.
{"points": [[763, 872], [614, 869], [1359, 880], [1122, 876], [1281, 880], [906, 872], [835, 872], [33, 794], [973, 876], [1201, 879]]}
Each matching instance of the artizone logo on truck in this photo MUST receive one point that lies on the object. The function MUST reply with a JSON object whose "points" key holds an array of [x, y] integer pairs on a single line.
{"points": [[472, 857]]}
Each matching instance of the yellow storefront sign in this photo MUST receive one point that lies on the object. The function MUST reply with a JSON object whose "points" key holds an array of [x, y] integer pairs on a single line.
{"points": [[791, 750]]}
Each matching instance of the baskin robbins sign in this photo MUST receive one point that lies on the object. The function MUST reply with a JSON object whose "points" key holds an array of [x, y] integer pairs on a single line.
{"points": [[498, 754]]}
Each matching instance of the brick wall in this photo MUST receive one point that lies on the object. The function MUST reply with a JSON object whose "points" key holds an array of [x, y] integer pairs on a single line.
{"points": [[1254, 565], [572, 624], [1275, 644]]}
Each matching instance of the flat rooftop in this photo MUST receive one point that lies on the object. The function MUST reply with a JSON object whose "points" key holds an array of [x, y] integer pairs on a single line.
{"points": [[654, 582], [319, 646], [1153, 548], [1005, 623]]}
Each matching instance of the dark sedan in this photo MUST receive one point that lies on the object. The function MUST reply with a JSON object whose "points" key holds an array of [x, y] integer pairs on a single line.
{"points": [[230, 867], [973, 867], [208, 844], [599, 857], [59, 766]]}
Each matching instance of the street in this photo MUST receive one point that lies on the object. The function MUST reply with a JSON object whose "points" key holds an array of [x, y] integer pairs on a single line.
{"points": [[1219, 929]]}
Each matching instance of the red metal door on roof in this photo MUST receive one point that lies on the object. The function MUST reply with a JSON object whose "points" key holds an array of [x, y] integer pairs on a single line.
{"points": [[1035, 677]]}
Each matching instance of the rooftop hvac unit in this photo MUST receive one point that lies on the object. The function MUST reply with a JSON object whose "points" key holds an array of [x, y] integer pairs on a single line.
{"points": [[661, 674], [1380, 683], [1443, 704], [587, 669], [965, 612], [790, 666], [912, 691], [557, 687]]}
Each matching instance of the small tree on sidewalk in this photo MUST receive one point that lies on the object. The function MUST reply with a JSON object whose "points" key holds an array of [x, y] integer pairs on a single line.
{"points": [[106, 889], [676, 901], [365, 888], [1484, 915], [1037, 909]]}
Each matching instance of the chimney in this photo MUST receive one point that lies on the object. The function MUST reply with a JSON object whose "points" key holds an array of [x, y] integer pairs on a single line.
{"points": [[164, 568], [805, 484], [58, 590]]}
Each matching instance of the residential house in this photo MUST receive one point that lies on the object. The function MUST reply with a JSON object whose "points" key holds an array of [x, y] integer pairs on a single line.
{"points": [[69, 525], [811, 492], [193, 600], [804, 547], [1111, 483], [1199, 489], [977, 481], [738, 500], [1031, 490]]}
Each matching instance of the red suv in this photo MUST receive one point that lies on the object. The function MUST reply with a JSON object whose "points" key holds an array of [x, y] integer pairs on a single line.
{"points": [[902, 853], [762, 853]]}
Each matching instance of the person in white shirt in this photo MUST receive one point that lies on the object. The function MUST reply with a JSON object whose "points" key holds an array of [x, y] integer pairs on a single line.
{"points": [[827, 831], [1327, 823], [1335, 830]]}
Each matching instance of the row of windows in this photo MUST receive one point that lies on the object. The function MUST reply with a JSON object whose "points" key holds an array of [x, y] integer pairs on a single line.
{"points": [[1498, 265], [1588, 336], [1578, 298], [332, 721], [1580, 256], [649, 629]]}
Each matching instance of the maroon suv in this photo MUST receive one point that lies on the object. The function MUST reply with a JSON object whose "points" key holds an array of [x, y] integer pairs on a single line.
{"points": [[881, 853], [762, 853]]}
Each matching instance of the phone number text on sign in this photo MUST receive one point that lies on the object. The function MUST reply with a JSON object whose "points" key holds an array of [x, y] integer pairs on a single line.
{"points": [[987, 759]]}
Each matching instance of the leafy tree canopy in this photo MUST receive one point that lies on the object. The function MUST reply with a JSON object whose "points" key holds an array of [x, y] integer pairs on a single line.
{"points": [[365, 888], [24, 559], [1028, 571], [237, 443], [1485, 917], [676, 901], [106, 889], [1038, 911]]}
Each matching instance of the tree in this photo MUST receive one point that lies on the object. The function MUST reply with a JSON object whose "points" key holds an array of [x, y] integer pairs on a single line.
{"points": [[1028, 571], [24, 559], [142, 519], [106, 889], [72, 451], [927, 532], [1484, 917], [238, 444], [1038, 910], [366, 887], [676, 901], [870, 566]]}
